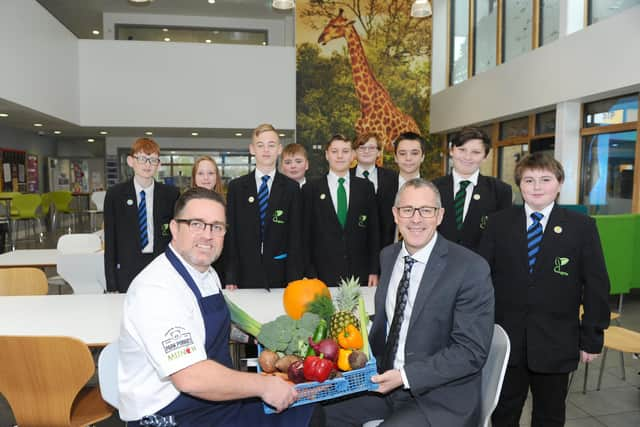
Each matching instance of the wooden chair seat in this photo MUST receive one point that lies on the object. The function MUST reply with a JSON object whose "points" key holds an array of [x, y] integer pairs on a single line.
{"points": [[23, 281], [44, 381], [620, 339]]}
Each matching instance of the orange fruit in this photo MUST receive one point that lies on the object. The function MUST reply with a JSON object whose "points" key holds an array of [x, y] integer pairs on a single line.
{"points": [[299, 293]]}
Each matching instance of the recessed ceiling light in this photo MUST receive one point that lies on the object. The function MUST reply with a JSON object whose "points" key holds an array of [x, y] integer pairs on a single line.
{"points": [[148, 133], [238, 133], [164, 30], [264, 43], [91, 140], [95, 32], [282, 134], [140, 1], [38, 125], [103, 132], [211, 1], [57, 132], [207, 41], [283, 4], [4, 115], [167, 39], [216, 32], [194, 134], [173, 152]]}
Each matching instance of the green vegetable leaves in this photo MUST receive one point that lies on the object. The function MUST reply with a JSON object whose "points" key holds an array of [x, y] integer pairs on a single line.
{"points": [[287, 335]]}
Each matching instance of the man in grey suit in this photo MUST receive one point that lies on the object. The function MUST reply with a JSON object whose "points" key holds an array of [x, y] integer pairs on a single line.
{"points": [[433, 325]]}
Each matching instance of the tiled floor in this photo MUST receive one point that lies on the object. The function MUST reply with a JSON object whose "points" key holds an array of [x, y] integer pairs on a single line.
{"points": [[617, 404]]}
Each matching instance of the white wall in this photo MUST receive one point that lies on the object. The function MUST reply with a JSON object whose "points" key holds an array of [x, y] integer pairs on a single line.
{"points": [[595, 62], [39, 60], [139, 84]]}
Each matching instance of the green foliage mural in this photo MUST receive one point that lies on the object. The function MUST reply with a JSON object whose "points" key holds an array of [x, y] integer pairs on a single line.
{"points": [[398, 51]]}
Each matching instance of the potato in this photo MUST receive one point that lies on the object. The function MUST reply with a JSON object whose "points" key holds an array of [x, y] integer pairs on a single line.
{"points": [[267, 361]]}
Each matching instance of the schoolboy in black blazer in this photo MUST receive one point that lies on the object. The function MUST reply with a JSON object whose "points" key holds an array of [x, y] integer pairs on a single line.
{"points": [[545, 261], [482, 195], [269, 256], [124, 256], [385, 181], [336, 250]]}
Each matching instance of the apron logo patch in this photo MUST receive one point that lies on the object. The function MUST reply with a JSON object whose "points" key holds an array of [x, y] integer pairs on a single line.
{"points": [[178, 343]]}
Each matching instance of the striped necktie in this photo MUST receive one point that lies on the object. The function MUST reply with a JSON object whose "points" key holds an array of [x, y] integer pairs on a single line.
{"points": [[534, 237], [391, 348], [263, 202], [458, 203], [342, 202], [142, 220]]}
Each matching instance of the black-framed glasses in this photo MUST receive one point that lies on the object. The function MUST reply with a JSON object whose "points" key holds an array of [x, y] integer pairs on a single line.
{"points": [[197, 226], [151, 160], [410, 211]]}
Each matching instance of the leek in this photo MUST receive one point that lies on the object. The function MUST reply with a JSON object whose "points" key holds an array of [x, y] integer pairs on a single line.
{"points": [[242, 320], [364, 321]]}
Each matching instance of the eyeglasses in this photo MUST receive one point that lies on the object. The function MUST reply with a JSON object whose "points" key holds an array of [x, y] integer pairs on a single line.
{"points": [[151, 160], [196, 226], [365, 149], [410, 211]]}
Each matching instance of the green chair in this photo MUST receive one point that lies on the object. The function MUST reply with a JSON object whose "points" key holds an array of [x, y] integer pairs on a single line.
{"points": [[62, 202], [26, 207], [619, 235]]}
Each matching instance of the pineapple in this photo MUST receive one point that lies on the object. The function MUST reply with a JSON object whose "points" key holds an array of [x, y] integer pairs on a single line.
{"points": [[346, 301]]}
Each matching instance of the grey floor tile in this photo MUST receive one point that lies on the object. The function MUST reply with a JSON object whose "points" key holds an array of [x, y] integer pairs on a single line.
{"points": [[583, 422], [607, 402], [627, 419]]}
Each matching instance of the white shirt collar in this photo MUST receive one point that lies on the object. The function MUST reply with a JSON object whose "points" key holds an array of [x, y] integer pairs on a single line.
{"points": [[333, 178], [147, 190], [457, 178], [545, 212], [421, 255], [259, 174], [360, 170], [200, 277]]}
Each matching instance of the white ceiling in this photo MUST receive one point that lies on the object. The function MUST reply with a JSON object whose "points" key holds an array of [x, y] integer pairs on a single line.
{"points": [[83, 16]]}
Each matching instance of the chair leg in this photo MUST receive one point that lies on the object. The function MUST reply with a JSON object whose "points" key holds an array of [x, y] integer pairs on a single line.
{"points": [[620, 299], [624, 376], [570, 380], [604, 359], [586, 377]]}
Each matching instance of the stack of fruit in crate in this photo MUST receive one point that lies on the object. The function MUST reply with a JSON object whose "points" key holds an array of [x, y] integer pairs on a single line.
{"points": [[318, 338]]}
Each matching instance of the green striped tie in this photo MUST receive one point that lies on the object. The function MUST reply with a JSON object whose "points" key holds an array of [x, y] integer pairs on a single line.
{"points": [[458, 202]]}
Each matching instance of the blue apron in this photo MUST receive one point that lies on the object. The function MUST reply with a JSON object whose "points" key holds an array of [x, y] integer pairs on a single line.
{"points": [[189, 411]]}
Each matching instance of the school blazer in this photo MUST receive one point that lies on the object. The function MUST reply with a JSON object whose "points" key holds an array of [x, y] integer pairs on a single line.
{"points": [[122, 251], [332, 252], [281, 259], [539, 311], [385, 196], [490, 195]]}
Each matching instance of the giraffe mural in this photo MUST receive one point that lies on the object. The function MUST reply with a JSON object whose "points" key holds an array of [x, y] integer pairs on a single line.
{"points": [[378, 113]]}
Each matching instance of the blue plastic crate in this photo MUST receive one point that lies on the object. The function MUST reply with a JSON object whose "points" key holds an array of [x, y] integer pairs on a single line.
{"points": [[350, 382]]}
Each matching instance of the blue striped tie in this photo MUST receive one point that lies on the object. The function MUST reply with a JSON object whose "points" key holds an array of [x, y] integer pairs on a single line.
{"points": [[263, 202], [142, 220], [534, 237]]}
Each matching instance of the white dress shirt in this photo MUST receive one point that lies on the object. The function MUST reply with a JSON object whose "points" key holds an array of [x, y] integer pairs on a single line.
{"points": [[373, 175], [332, 180], [148, 199], [417, 271], [473, 179], [259, 176], [545, 218], [302, 182]]}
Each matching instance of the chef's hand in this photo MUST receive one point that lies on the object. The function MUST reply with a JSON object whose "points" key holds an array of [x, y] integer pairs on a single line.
{"points": [[231, 287], [278, 393]]}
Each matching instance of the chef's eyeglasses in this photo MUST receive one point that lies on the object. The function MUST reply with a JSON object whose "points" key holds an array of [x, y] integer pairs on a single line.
{"points": [[151, 160], [410, 211], [196, 226]]}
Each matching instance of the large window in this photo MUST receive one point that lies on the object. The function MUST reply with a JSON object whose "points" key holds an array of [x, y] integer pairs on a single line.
{"points": [[609, 143], [518, 24], [549, 21], [486, 18], [602, 9], [459, 42]]}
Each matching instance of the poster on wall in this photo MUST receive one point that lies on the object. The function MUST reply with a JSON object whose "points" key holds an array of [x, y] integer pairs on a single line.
{"points": [[362, 67], [33, 175], [79, 170]]}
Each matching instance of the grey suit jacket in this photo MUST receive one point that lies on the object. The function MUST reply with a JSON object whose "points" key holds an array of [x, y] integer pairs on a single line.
{"points": [[449, 335]]}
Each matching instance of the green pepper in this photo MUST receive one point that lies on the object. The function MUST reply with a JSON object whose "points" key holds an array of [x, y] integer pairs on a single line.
{"points": [[317, 368], [318, 335]]}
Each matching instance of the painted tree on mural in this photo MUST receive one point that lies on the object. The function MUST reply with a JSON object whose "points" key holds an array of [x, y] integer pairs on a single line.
{"points": [[397, 48]]}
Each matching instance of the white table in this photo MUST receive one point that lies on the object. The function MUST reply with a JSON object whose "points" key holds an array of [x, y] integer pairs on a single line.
{"points": [[29, 258], [95, 318]]}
